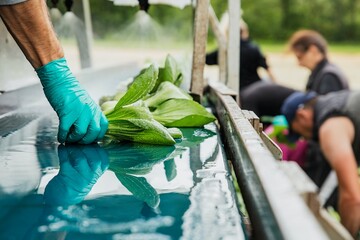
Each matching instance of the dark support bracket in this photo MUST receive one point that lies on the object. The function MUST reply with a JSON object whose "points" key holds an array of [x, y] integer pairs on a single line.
{"points": [[144, 5], [68, 4]]}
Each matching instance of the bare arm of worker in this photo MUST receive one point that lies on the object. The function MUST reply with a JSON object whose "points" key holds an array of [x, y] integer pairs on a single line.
{"points": [[30, 26], [336, 136], [271, 75], [80, 118]]}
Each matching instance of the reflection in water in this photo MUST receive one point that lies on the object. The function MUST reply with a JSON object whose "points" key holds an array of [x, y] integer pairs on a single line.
{"points": [[129, 159], [170, 169], [157, 176], [80, 168], [195, 136], [137, 159]]}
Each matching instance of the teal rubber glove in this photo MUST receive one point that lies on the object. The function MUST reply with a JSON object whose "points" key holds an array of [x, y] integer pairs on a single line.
{"points": [[81, 119], [80, 168]]}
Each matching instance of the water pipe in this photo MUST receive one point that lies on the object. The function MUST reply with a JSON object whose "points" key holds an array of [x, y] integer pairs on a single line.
{"points": [[144, 5], [68, 4], [54, 3]]}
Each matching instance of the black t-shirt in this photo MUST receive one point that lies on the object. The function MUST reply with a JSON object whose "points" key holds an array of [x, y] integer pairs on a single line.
{"points": [[326, 78], [264, 98], [251, 59]]}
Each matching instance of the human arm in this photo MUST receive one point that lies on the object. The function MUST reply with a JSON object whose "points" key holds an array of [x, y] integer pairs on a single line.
{"points": [[263, 63], [32, 30], [270, 74], [336, 135], [81, 119]]}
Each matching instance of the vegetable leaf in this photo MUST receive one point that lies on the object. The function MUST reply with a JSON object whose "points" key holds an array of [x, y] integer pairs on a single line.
{"points": [[142, 85], [140, 188], [169, 73], [182, 113], [166, 91]]}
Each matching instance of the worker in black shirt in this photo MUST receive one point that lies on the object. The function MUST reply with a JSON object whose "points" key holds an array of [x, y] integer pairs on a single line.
{"points": [[333, 121], [251, 59]]}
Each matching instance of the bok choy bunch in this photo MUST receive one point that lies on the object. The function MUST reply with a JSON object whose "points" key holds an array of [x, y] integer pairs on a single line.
{"points": [[130, 120], [152, 103]]}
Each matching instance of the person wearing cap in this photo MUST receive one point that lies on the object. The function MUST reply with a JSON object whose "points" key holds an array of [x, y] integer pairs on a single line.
{"points": [[310, 49], [81, 119], [333, 120]]}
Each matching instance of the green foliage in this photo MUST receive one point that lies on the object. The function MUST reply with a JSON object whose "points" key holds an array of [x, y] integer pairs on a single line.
{"points": [[273, 20], [276, 20]]}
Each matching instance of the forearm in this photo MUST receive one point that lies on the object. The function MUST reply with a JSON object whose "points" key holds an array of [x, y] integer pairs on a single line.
{"points": [[29, 24], [336, 146], [347, 175], [271, 75]]}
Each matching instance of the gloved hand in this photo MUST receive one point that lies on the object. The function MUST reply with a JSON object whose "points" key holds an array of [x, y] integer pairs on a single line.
{"points": [[81, 119], [80, 168]]}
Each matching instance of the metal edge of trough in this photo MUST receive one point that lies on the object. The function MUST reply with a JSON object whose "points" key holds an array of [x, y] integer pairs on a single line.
{"points": [[275, 209]]}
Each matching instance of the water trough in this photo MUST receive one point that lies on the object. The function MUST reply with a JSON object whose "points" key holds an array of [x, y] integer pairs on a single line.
{"points": [[51, 191]]}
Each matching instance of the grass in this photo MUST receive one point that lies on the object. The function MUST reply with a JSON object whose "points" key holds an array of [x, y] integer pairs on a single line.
{"points": [[266, 46], [278, 47]]}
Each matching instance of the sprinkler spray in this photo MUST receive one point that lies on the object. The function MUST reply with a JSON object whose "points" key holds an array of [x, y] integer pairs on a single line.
{"points": [[55, 14]]}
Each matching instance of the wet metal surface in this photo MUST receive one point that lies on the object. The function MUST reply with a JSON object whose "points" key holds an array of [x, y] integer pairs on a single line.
{"points": [[276, 209], [111, 191]]}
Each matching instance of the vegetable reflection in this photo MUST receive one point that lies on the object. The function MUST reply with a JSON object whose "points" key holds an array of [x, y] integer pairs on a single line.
{"points": [[128, 160], [82, 165]]}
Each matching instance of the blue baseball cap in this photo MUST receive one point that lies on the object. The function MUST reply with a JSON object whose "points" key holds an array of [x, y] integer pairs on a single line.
{"points": [[291, 105]]}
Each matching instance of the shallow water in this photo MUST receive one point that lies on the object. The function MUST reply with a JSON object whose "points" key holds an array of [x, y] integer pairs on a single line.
{"points": [[112, 191]]}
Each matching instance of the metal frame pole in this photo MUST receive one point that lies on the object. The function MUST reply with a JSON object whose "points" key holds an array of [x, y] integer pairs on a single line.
{"points": [[233, 52], [88, 29], [199, 49], [221, 40]]}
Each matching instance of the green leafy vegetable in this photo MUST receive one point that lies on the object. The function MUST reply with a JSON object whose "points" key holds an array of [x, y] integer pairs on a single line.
{"points": [[135, 123], [141, 86], [169, 73], [182, 113], [130, 117], [175, 133], [108, 107], [166, 91]]}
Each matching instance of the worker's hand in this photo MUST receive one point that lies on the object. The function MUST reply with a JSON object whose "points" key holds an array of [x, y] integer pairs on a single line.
{"points": [[350, 214], [81, 119], [80, 168]]}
